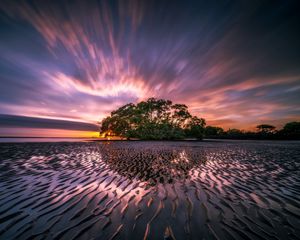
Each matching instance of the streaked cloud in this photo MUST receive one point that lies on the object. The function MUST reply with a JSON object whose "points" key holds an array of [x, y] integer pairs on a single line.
{"points": [[31, 122]]}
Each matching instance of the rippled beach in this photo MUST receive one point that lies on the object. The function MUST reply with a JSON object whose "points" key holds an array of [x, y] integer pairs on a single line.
{"points": [[150, 190]]}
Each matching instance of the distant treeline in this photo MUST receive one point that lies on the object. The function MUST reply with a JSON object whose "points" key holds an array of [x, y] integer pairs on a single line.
{"points": [[290, 131]]}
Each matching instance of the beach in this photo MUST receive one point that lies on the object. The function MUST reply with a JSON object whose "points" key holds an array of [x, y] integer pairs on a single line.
{"points": [[150, 190]]}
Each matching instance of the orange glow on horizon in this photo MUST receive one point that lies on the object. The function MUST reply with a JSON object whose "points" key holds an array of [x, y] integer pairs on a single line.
{"points": [[40, 132]]}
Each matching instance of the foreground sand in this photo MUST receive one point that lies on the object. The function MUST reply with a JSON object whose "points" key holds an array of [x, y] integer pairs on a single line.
{"points": [[150, 190]]}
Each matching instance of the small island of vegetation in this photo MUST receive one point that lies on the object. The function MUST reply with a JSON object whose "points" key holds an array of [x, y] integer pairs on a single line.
{"points": [[154, 119], [159, 119]]}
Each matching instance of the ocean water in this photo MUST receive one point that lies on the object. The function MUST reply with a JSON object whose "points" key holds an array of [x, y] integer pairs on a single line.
{"points": [[40, 139], [150, 190]]}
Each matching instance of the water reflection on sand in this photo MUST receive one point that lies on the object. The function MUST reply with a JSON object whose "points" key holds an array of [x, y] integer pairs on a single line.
{"points": [[150, 190]]}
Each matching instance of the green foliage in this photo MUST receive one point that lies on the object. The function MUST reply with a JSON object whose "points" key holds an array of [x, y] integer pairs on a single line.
{"points": [[234, 132], [154, 119], [265, 128], [214, 131], [158, 119], [291, 130], [195, 127]]}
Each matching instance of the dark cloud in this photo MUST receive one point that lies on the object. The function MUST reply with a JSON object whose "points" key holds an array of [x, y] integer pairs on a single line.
{"points": [[31, 122]]}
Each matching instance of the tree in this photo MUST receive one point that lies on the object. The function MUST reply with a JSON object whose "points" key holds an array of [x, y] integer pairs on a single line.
{"points": [[265, 128], [153, 119], [234, 133], [214, 131], [195, 127], [292, 127], [180, 114], [291, 130]]}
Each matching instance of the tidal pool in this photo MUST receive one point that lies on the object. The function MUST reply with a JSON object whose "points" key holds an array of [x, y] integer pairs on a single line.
{"points": [[150, 190]]}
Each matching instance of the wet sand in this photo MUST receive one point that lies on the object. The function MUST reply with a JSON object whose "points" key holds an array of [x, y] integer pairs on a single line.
{"points": [[150, 190]]}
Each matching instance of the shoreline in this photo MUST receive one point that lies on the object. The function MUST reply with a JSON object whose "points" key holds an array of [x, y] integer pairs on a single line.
{"points": [[73, 139]]}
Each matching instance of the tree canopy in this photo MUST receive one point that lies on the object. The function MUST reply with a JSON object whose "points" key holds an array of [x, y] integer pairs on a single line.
{"points": [[265, 128], [154, 119], [291, 130], [214, 131]]}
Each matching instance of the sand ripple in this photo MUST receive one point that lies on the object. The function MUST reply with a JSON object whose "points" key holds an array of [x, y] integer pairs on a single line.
{"points": [[150, 190]]}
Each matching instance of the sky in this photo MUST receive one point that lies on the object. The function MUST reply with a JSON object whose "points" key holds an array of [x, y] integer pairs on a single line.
{"points": [[64, 65]]}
